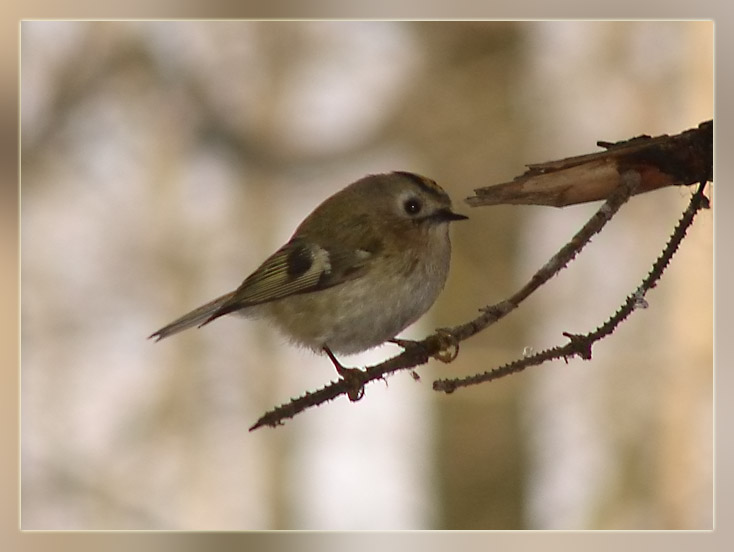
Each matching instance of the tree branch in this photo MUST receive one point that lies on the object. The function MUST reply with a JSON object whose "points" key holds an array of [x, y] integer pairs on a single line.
{"points": [[679, 160]]}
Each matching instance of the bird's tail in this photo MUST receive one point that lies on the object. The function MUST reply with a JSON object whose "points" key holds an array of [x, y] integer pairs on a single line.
{"points": [[196, 317]]}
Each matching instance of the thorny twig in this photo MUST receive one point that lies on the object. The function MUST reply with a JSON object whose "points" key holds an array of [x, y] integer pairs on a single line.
{"points": [[580, 345]]}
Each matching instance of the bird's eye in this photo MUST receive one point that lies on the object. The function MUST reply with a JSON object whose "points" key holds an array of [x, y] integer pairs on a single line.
{"points": [[413, 206]]}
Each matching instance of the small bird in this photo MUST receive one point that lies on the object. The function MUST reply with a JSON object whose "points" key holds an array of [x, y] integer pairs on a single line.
{"points": [[364, 265]]}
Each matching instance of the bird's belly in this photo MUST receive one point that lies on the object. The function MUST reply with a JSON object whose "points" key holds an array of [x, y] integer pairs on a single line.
{"points": [[356, 315]]}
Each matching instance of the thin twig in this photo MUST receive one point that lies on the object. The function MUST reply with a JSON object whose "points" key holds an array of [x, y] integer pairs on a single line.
{"points": [[580, 345]]}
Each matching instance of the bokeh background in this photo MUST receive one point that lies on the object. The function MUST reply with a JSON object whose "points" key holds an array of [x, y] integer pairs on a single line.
{"points": [[162, 161]]}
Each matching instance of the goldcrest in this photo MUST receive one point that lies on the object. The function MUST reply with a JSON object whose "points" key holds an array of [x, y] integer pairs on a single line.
{"points": [[364, 265]]}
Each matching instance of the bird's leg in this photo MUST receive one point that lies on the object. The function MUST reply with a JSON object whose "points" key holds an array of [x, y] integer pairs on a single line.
{"points": [[353, 376], [341, 370]]}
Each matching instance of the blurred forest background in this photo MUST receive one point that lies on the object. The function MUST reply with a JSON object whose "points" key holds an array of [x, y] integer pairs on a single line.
{"points": [[163, 161]]}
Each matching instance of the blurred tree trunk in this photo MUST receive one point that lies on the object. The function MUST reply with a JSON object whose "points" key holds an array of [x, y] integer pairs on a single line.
{"points": [[460, 120]]}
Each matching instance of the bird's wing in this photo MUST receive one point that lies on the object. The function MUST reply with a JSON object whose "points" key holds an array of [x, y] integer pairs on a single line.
{"points": [[298, 267]]}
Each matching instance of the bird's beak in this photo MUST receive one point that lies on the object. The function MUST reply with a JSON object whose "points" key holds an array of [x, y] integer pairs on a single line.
{"points": [[448, 215]]}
